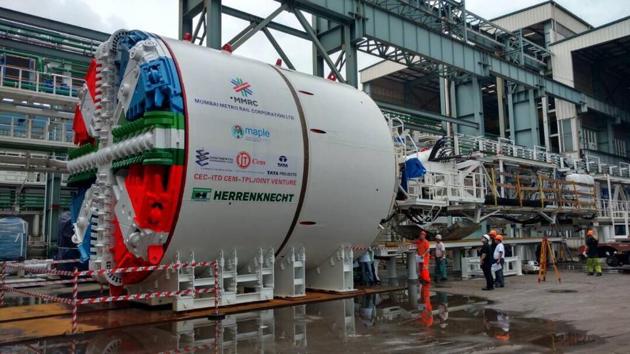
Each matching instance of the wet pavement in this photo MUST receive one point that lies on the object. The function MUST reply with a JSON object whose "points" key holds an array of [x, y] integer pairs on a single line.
{"points": [[417, 320]]}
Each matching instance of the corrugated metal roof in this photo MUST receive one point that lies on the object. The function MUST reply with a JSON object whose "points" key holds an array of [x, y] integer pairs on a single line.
{"points": [[542, 12], [549, 2], [609, 30]]}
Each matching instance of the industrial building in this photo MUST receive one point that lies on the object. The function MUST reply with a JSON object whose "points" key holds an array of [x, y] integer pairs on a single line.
{"points": [[171, 174], [43, 66]]}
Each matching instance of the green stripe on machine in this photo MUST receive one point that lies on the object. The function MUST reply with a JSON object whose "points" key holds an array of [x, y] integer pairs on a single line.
{"points": [[154, 119]]}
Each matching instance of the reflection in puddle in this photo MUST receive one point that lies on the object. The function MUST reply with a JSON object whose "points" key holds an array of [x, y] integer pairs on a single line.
{"points": [[411, 321]]}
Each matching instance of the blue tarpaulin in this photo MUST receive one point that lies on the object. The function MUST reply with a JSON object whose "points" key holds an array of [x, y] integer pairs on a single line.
{"points": [[12, 239], [413, 169]]}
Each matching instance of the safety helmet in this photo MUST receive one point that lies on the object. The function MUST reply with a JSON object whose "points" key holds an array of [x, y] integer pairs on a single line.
{"points": [[499, 238], [486, 237], [438, 237]]}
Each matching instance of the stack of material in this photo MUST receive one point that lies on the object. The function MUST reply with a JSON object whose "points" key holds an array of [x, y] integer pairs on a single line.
{"points": [[12, 239]]}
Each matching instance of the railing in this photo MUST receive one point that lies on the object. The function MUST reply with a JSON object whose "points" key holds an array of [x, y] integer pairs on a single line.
{"points": [[31, 80], [465, 145], [40, 127], [613, 209], [537, 190], [471, 267], [451, 18], [45, 37], [448, 187]]}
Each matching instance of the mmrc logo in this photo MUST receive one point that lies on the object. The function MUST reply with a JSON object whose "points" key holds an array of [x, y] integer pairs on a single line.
{"points": [[201, 157], [237, 131], [242, 86]]}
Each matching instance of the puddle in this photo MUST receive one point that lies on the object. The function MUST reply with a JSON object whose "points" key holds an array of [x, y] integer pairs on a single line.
{"points": [[416, 320], [562, 291]]}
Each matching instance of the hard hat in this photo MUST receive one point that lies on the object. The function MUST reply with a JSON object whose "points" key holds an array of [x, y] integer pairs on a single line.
{"points": [[492, 233], [499, 238], [589, 232], [486, 237], [438, 237]]}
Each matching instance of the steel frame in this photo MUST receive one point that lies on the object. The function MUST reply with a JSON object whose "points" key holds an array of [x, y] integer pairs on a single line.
{"points": [[427, 34]]}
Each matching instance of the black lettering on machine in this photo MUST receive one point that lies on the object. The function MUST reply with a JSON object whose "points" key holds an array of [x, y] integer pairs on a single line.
{"points": [[245, 101]]}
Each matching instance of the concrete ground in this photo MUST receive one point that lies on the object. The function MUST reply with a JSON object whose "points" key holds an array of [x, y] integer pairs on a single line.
{"points": [[598, 305]]}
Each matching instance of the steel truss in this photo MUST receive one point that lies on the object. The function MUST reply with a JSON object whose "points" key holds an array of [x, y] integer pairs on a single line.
{"points": [[428, 35]]}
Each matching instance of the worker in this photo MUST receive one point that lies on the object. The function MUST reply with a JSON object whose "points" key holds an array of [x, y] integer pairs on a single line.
{"points": [[592, 252], [499, 260], [485, 262], [440, 259], [374, 267], [493, 242], [422, 246], [367, 277]]}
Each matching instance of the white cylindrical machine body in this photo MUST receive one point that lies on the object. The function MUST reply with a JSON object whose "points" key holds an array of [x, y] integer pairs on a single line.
{"points": [[276, 158]]}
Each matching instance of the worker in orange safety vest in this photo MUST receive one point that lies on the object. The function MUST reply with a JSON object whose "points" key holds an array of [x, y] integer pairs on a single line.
{"points": [[422, 245]]}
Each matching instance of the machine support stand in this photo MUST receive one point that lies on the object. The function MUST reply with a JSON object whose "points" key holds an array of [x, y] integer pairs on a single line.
{"points": [[391, 267], [290, 274], [336, 274], [412, 266]]}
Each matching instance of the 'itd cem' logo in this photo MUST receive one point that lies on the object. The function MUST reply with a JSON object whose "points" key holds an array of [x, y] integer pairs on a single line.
{"points": [[242, 87], [237, 131], [243, 160]]}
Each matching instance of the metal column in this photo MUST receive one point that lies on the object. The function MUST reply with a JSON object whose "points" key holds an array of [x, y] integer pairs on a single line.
{"points": [[523, 116], [500, 84], [213, 24], [52, 207], [469, 105], [610, 132], [545, 121], [350, 50]]}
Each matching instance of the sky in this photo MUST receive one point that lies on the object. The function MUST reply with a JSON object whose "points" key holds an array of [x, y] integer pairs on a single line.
{"points": [[160, 16]]}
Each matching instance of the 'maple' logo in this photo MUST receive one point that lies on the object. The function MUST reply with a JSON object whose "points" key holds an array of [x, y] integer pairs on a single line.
{"points": [[237, 131], [242, 87]]}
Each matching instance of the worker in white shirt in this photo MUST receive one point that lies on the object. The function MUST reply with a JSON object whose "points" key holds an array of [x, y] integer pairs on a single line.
{"points": [[499, 260], [440, 259]]}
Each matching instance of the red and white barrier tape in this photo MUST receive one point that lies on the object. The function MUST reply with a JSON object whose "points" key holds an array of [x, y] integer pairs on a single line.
{"points": [[35, 294], [171, 266], [50, 282], [75, 301], [65, 261], [75, 306], [108, 299], [2, 277], [160, 267], [217, 290], [144, 296], [39, 269]]}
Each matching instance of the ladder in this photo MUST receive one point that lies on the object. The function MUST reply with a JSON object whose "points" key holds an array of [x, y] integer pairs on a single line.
{"points": [[620, 223]]}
